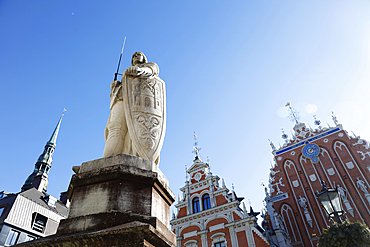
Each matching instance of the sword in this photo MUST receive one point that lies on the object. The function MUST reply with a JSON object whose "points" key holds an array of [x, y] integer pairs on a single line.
{"points": [[119, 61]]}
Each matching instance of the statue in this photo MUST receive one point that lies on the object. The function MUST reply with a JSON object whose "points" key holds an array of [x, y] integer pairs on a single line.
{"points": [[302, 202], [342, 193], [361, 185], [137, 121]]}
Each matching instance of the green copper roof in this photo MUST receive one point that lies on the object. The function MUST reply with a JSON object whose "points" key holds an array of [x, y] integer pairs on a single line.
{"points": [[53, 138]]}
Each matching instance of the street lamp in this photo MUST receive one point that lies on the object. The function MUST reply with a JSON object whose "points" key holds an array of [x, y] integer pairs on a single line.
{"points": [[330, 200]]}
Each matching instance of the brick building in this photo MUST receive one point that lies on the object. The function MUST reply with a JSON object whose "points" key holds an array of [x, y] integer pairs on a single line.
{"points": [[329, 154], [209, 215]]}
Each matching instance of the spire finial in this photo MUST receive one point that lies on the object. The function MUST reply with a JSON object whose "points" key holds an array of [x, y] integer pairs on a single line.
{"points": [[317, 121], [196, 149], [294, 115], [186, 173], [272, 145], [334, 118], [284, 135], [53, 138]]}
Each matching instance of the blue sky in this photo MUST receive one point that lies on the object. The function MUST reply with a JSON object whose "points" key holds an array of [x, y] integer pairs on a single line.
{"points": [[229, 67]]}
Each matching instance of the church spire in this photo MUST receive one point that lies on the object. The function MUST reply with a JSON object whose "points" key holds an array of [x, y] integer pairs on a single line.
{"points": [[39, 178]]}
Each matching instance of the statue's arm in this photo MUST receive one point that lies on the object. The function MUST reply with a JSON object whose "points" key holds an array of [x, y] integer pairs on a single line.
{"points": [[147, 68]]}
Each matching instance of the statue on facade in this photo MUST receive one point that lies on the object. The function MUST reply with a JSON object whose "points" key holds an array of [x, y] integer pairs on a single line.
{"points": [[361, 185], [342, 193], [302, 202], [137, 121]]}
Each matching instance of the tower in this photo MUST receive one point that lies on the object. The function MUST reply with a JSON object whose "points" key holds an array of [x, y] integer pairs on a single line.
{"points": [[310, 156], [39, 177], [32, 213], [210, 215]]}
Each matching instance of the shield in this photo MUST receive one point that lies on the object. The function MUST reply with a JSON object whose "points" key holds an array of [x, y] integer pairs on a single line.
{"points": [[145, 111]]}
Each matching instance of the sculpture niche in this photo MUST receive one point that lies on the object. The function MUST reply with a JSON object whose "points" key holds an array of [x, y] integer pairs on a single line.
{"points": [[137, 121]]}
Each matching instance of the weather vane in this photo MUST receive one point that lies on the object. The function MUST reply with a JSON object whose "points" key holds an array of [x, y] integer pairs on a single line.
{"points": [[196, 149], [284, 136], [294, 115], [317, 121], [64, 110]]}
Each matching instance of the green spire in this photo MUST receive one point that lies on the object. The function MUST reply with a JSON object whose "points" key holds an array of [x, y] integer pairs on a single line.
{"points": [[53, 138], [39, 178]]}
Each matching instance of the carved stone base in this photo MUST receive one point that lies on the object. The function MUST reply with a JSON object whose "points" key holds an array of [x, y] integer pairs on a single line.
{"points": [[133, 234], [121, 200]]}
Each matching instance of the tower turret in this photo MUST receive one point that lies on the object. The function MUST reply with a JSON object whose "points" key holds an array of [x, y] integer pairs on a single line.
{"points": [[39, 177]]}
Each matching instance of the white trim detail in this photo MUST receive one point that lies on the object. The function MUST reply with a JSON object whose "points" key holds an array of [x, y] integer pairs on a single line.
{"points": [[289, 163], [338, 145], [286, 208], [190, 242], [190, 234], [259, 234], [350, 165], [331, 171], [217, 235], [217, 227]]}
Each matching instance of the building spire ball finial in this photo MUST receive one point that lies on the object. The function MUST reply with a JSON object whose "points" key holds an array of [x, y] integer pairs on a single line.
{"points": [[293, 115]]}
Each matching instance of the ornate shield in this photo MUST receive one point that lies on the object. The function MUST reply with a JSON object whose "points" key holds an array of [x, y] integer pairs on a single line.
{"points": [[145, 111]]}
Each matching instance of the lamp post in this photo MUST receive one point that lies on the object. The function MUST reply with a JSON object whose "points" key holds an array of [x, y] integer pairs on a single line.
{"points": [[331, 202]]}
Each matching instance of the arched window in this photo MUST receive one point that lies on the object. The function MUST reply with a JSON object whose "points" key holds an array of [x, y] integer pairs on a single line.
{"points": [[206, 202], [195, 205]]}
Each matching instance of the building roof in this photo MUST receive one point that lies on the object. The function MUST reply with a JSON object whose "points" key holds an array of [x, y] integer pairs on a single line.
{"points": [[43, 200]]}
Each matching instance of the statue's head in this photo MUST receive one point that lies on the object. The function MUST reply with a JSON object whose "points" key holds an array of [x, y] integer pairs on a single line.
{"points": [[138, 58]]}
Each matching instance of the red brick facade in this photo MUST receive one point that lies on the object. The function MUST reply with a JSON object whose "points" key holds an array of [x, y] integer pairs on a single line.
{"points": [[343, 161], [209, 215]]}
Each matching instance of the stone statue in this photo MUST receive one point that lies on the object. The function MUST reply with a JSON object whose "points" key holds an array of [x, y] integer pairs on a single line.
{"points": [[302, 202], [342, 193], [137, 121], [361, 185]]}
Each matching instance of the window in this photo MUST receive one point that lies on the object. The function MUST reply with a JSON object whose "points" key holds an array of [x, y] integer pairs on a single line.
{"points": [[220, 244], [12, 237], [196, 205], [29, 238], [39, 222], [206, 202]]}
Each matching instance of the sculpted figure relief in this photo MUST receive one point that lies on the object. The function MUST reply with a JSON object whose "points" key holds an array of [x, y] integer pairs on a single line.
{"points": [[137, 121], [361, 185]]}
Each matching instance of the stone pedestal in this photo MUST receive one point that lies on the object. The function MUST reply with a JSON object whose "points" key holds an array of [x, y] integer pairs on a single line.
{"points": [[121, 200]]}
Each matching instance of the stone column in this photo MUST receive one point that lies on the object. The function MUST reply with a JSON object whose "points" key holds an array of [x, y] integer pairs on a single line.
{"points": [[250, 238], [203, 236], [234, 239]]}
